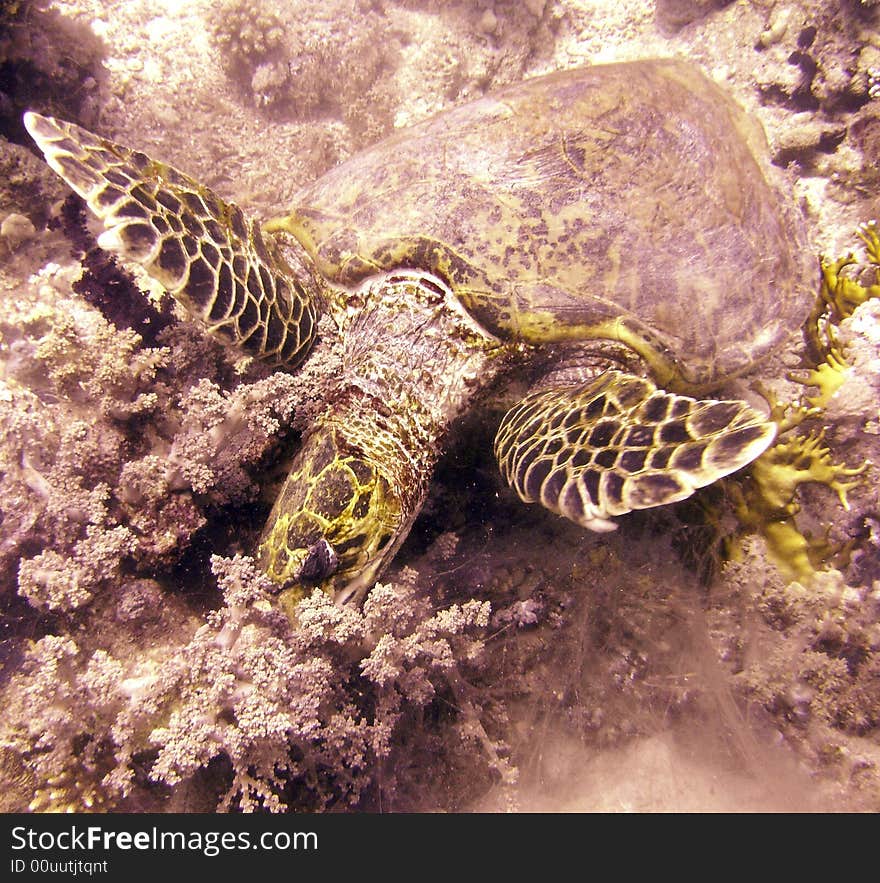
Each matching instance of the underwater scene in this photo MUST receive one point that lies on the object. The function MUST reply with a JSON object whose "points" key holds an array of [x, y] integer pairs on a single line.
{"points": [[439, 406]]}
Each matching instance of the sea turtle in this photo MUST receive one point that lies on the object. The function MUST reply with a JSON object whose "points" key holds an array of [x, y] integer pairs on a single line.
{"points": [[610, 232]]}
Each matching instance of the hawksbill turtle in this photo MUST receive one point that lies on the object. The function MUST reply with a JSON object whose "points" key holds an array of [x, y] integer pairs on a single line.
{"points": [[611, 232]]}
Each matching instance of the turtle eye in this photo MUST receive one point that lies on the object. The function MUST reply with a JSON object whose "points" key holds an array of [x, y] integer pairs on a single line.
{"points": [[320, 562]]}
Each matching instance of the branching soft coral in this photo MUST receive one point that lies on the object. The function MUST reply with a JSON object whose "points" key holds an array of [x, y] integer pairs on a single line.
{"points": [[53, 498], [57, 727], [51, 581], [108, 444], [827, 376], [309, 712], [221, 434]]}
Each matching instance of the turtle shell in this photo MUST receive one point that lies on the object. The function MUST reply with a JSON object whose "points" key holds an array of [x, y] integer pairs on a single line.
{"points": [[631, 195]]}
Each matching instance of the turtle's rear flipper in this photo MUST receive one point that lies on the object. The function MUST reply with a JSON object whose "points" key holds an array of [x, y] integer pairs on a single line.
{"points": [[618, 443], [207, 254]]}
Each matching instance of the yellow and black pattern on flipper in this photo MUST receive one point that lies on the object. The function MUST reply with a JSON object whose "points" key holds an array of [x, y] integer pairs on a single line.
{"points": [[203, 250], [596, 451]]}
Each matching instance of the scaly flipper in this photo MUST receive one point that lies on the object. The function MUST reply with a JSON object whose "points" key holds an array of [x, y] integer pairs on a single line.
{"points": [[618, 443], [203, 250]]}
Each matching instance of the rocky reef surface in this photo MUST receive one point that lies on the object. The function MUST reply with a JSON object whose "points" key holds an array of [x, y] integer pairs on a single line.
{"points": [[720, 654]]}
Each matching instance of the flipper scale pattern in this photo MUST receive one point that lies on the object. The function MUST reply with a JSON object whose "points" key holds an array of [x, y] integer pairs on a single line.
{"points": [[599, 450], [202, 249]]}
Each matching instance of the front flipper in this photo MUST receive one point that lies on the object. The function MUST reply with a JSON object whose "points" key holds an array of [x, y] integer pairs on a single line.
{"points": [[618, 443], [203, 250]]}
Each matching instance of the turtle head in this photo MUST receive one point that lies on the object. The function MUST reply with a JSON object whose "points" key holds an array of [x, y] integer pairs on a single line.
{"points": [[335, 525]]}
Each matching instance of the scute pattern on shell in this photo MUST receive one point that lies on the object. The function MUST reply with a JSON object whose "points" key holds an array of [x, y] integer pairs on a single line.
{"points": [[623, 192]]}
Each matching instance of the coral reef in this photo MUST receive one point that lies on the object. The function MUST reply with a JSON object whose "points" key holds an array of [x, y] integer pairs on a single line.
{"points": [[673, 14], [508, 660], [808, 659], [820, 63], [285, 712], [768, 501], [117, 458], [332, 66], [27, 186], [46, 59], [306, 70]]}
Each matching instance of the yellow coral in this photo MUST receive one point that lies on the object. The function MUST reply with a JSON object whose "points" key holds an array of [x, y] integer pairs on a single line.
{"points": [[828, 376], [840, 293], [800, 459], [69, 792], [768, 503]]}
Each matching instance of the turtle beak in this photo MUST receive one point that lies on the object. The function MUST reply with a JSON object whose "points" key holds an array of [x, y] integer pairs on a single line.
{"points": [[320, 563]]}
